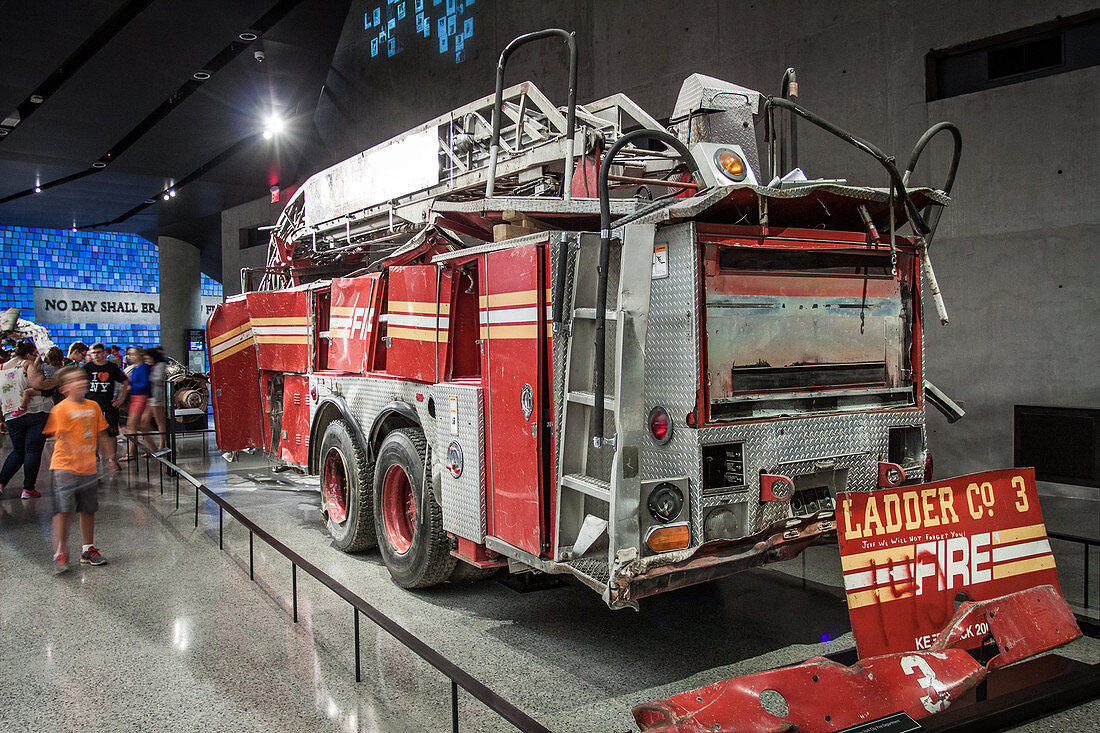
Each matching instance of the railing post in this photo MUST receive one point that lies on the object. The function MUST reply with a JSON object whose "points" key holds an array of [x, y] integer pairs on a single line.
{"points": [[161, 465], [251, 570], [454, 706], [220, 513], [196, 507], [294, 587], [358, 669]]}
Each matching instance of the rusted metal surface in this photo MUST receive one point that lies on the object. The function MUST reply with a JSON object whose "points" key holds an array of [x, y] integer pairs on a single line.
{"points": [[653, 574], [821, 695]]}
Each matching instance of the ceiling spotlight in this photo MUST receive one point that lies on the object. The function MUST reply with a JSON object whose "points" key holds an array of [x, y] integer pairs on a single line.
{"points": [[248, 36], [37, 99], [172, 192], [3, 131], [165, 196], [74, 227], [201, 75], [273, 125], [99, 164], [37, 188]]}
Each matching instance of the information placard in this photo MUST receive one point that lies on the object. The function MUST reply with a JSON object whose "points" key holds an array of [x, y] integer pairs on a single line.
{"points": [[910, 554]]}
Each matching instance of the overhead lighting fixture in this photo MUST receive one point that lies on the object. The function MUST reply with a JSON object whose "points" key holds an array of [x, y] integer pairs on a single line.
{"points": [[37, 188], [99, 164], [201, 75], [248, 36], [37, 99], [273, 126], [172, 192]]}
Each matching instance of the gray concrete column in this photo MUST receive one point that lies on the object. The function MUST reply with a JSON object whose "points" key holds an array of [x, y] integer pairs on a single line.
{"points": [[180, 294]]}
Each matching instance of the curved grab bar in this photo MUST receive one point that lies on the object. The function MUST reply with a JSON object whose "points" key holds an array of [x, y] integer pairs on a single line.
{"points": [[605, 256], [571, 105]]}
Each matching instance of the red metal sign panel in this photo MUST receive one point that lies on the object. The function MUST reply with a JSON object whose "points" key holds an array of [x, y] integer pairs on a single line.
{"points": [[513, 325], [353, 323], [281, 327], [416, 322], [236, 383], [910, 552]]}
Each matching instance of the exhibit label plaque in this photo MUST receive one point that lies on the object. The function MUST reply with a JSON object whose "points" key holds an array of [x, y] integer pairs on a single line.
{"points": [[910, 553]]}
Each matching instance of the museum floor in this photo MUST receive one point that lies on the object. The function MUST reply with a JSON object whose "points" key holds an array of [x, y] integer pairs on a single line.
{"points": [[171, 635]]}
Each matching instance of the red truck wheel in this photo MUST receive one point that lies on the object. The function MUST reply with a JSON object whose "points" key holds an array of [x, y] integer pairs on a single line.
{"points": [[408, 521], [347, 489]]}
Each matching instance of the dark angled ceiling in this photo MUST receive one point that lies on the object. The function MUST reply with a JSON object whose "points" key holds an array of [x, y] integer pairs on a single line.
{"points": [[131, 59]]}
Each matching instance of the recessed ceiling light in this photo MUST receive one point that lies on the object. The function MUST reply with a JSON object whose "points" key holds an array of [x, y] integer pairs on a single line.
{"points": [[201, 75], [248, 36], [37, 188], [37, 99], [99, 164], [3, 131]]}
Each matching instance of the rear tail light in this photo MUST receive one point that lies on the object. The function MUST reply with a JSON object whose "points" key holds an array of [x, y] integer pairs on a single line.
{"points": [[774, 487], [890, 474], [669, 537], [660, 426], [927, 466]]}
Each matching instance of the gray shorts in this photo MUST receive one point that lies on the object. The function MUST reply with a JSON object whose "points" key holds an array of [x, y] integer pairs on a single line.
{"points": [[75, 492]]}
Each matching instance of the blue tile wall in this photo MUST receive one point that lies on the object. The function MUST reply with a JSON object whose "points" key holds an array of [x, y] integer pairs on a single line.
{"points": [[58, 258]]}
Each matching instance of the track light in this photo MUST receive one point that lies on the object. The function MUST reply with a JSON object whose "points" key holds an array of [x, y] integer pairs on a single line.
{"points": [[37, 188], [273, 126]]}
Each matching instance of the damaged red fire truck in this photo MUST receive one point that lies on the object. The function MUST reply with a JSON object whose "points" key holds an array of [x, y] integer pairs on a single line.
{"points": [[576, 340]]}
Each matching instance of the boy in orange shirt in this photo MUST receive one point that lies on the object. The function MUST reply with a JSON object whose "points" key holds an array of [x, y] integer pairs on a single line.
{"points": [[78, 426]]}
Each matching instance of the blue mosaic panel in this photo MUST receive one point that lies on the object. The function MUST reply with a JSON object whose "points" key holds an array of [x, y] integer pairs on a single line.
{"points": [[58, 258], [393, 23]]}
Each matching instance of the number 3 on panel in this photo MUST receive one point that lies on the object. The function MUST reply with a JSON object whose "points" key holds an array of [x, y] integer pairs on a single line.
{"points": [[1021, 501]]}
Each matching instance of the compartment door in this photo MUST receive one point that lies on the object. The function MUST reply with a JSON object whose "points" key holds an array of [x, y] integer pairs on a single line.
{"points": [[238, 419], [513, 325]]}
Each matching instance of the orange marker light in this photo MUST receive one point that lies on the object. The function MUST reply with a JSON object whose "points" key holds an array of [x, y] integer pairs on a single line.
{"points": [[673, 537], [731, 163]]}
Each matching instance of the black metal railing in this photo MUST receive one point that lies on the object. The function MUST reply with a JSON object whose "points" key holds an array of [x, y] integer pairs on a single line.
{"points": [[1088, 543], [458, 676]]}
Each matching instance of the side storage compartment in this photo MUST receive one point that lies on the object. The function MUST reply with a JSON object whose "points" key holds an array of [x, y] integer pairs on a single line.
{"points": [[294, 436], [459, 454], [235, 379]]}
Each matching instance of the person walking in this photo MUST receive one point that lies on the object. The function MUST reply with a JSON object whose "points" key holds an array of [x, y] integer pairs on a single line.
{"points": [[78, 427], [155, 410], [138, 371], [25, 429], [107, 387]]}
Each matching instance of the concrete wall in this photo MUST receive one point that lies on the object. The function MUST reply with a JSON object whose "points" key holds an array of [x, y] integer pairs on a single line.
{"points": [[1013, 254], [260, 212], [180, 294]]}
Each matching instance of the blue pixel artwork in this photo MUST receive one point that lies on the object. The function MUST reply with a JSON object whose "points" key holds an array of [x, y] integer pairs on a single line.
{"points": [[104, 261], [452, 19]]}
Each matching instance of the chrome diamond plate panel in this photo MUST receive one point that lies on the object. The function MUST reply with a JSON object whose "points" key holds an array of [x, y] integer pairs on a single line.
{"points": [[366, 396], [463, 498], [855, 441], [672, 356]]}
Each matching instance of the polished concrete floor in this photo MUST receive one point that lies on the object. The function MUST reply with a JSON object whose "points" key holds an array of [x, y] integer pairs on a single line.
{"points": [[171, 635]]}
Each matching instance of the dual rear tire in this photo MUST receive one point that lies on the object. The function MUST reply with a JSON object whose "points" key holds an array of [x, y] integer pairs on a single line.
{"points": [[388, 502]]}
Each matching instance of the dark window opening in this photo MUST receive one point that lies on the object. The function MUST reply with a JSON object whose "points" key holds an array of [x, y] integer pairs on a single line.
{"points": [[1066, 44], [811, 262], [1062, 443], [254, 237], [1045, 53]]}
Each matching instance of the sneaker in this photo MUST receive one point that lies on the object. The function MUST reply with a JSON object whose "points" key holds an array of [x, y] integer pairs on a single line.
{"points": [[18, 412], [60, 563], [30, 494], [91, 556]]}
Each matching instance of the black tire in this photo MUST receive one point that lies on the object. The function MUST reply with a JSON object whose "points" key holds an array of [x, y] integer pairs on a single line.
{"points": [[339, 446], [415, 547], [464, 572]]}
